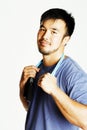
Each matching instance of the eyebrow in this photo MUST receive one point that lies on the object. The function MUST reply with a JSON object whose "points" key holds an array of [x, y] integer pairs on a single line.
{"points": [[42, 26], [55, 29]]}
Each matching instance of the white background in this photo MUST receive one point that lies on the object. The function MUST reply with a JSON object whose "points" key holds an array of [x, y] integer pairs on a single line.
{"points": [[19, 23]]}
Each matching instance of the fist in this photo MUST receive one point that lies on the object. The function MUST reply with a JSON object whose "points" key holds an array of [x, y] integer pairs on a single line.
{"points": [[47, 82]]}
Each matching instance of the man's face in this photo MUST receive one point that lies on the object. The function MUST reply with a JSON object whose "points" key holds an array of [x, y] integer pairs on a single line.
{"points": [[50, 36]]}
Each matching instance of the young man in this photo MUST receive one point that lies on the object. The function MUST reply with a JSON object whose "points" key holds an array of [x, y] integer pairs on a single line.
{"points": [[60, 86]]}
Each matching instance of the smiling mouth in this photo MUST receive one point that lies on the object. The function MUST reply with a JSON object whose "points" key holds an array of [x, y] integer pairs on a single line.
{"points": [[44, 43]]}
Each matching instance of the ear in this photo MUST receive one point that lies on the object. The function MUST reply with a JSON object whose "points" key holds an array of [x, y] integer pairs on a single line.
{"points": [[65, 40]]}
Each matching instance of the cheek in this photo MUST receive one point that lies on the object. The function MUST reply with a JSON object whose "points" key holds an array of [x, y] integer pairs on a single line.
{"points": [[56, 41], [40, 34], [38, 37]]}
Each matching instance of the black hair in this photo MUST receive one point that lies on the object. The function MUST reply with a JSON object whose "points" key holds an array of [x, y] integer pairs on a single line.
{"points": [[57, 13]]}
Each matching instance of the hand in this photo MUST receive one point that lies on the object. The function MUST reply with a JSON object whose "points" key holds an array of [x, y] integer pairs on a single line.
{"points": [[28, 71], [47, 82]]}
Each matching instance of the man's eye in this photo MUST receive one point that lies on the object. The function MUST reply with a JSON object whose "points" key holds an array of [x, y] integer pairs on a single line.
{"points": [[42, 29], [53, 32]]}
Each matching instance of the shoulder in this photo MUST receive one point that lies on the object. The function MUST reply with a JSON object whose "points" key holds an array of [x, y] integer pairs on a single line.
{"points": [[71, 66], [70, 72], [72, 80]]}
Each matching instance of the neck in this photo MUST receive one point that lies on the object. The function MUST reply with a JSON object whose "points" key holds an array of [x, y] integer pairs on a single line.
{"points": [[51, 59]]}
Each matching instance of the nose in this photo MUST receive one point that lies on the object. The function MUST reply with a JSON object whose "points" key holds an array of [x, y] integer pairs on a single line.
{"points": [[46, 35]]}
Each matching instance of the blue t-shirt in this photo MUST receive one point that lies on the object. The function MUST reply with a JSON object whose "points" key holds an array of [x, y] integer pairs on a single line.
{"points": [[43, 113]]}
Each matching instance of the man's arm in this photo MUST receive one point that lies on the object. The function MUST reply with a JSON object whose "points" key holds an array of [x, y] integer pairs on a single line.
{"points": [[28, 71], [73, 111]]}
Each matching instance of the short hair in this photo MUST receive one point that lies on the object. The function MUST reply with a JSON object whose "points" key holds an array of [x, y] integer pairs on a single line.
{"points": [[57, 13]]}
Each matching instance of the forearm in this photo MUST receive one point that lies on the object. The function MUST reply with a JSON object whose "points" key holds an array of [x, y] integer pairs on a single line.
{"points": [[73, 111], [24, 102]]}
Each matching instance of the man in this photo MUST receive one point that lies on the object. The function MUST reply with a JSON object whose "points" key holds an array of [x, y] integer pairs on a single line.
{"points": [[59, 99]]}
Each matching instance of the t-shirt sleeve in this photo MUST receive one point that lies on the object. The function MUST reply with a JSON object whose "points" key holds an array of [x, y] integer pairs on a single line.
{"points": [[77, 87]]}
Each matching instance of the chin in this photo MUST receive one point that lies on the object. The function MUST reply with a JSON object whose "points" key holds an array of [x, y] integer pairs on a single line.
{"points": [[44, 52]]}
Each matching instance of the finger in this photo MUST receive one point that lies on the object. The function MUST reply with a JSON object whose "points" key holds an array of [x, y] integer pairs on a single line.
{"points": [[31, 67], [30, 71]]}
